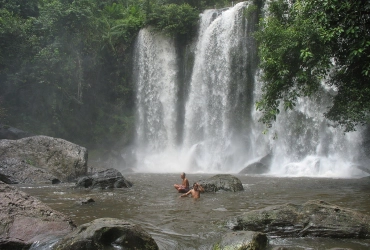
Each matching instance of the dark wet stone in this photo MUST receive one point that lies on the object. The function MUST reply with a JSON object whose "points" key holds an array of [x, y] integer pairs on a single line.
{"points": [[262, 166], [313, 219], [11, 133], [105, 179], [87, 200], [107, 233]]}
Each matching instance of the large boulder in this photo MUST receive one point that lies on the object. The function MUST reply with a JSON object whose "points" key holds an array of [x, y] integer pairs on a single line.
{"points": [[242, 240], [62, 159], [313, 219], [24, 220], [107, 233], [225, 182], [105, 179], [13, 171]]}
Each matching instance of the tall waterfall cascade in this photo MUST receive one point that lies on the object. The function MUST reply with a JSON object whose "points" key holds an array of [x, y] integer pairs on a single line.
{"points": [[208, 123]]}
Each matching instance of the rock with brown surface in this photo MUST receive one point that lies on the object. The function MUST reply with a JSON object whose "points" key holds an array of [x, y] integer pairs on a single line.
{"points": [[24, 220]]}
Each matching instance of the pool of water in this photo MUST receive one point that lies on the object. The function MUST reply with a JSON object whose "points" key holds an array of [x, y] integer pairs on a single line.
{"points": [[184, 223]]}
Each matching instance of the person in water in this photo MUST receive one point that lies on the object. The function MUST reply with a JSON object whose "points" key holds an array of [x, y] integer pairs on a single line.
{"points": [[195, 192], [184, 186]]}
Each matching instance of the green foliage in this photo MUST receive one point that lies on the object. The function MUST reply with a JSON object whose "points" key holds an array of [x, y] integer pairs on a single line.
{"points": [[22, 8], [301, 44], [62, 71], [64, 68], [174, 19]]}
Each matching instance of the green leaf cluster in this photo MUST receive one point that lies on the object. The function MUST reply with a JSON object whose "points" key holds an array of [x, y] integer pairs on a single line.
{"points": [[174, 19], [302, 43]]}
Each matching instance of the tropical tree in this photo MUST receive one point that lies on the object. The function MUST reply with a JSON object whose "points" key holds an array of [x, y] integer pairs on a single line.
{"points": [[302, 43]]}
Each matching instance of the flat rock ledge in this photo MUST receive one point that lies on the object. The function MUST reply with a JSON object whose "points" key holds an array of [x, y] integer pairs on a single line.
{"points": [[105, 179], [62, 159], [107, 233], [242, 240], [25, 220], [225, 182], [313, 219]]}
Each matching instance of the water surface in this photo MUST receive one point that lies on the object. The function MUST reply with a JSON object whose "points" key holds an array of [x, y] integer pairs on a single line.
{"points": [[183, 223]]}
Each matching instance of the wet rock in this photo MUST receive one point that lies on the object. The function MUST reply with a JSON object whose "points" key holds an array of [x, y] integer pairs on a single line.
{"points": [[313, 219], [255, 168], [243, 240], [13, 171], [225, 182], [24, 220], [105, 179], [87, 200], [107, 233], [10, 133], [60, 158], [261, 166], [364, 168]]}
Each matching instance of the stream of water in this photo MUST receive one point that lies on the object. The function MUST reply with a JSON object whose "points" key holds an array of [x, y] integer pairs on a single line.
{"points": [[183, 223], [200, 116]]}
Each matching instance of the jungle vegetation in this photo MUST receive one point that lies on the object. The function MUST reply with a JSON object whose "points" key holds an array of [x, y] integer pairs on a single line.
{"points": [[65, 64], [304, 43]]}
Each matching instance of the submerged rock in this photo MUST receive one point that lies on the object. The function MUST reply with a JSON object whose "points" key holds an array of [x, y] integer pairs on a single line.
{"points": [[313, 219], [107, 233], [24, 220], [105, 179], [225, 182], [255, 168], [242, 240], [87, 200], [60, 158], [262, 166], [13, 171]]}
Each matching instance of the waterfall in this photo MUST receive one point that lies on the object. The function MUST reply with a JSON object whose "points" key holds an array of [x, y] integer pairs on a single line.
{"points": [[214, 126], [308, 146], [155, 75], [215, 119]]}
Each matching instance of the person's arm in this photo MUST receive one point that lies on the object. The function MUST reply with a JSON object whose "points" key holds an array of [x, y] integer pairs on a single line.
{"points": [[200, 188], [187, 183], [185, 195]]}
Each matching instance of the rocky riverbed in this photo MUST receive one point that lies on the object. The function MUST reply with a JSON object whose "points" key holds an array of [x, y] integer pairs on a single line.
{"points": [[51, 193]]}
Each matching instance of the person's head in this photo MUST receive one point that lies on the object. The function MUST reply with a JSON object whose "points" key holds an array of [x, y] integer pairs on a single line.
{"points": [[195, 186], [182, 175]]}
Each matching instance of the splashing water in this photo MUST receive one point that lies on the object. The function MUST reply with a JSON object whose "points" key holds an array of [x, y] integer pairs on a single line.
{"points": [[219, 131]]}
